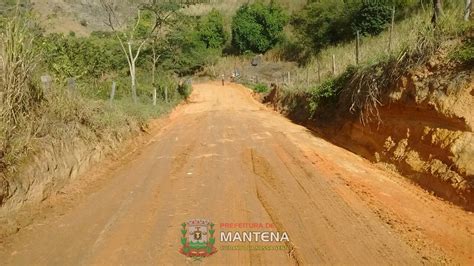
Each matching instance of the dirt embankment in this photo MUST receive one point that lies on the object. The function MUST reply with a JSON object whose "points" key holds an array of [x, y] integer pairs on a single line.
{"points": [[425, 133], [56, 163]]}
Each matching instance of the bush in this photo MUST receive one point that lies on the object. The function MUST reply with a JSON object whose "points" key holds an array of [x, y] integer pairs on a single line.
{"points": [[328, 92], [185, 89], [260, 88], [465, 53], [257, 27], [81, 57]]}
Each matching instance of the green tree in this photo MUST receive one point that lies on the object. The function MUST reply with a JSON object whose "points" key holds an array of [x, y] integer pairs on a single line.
{"points": [[212, 31], [372, 18], [184, 51], [324, 22], [258, 27]]}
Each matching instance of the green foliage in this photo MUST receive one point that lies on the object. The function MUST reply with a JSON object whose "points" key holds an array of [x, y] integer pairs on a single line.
{"points": [[328, 92], [465, 53], [145, 26], [260, 88], [81, 57], [323, 23], [321, 93], [258, 27], [185, 89], [372, 18], [184, 51], [212, 31], [331, 22]]}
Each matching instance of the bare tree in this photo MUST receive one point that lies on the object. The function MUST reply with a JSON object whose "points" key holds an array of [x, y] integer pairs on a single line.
{"points": [[437, 11], [130, 42], [132, 45], [467, 13]]}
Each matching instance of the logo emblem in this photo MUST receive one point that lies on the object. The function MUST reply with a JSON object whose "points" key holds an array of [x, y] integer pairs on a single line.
{"points": [[197, 239]]}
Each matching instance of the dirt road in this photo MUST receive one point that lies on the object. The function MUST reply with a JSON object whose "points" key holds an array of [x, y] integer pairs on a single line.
{"points": [[226, 158]]}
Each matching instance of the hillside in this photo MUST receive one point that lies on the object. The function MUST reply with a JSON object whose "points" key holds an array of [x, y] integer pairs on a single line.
{"points": [[85, 16], [81, 16]]}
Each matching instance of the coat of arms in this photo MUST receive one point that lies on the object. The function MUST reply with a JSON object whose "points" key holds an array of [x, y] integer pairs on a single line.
{"points": [[197, 238]]}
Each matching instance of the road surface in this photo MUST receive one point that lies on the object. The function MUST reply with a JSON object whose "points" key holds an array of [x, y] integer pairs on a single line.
{"points": [[226, 158]]}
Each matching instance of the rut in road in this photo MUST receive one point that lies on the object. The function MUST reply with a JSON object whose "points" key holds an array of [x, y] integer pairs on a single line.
{"points": [[226, 158]]}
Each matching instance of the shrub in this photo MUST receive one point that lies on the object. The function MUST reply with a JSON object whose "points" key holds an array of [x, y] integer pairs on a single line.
{"points": [[80, 57], [185, 89], [260, 88], [328, 92], [257, 27], [465, 53]]}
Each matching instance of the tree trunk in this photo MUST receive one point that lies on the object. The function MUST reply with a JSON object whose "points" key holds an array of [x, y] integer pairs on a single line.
{"points": [[437, 11], [467, 13], [153, 68], [133, 78]]}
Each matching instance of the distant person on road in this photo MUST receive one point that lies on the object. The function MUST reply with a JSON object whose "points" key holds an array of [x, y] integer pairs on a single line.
{"points": [[222, 77]]}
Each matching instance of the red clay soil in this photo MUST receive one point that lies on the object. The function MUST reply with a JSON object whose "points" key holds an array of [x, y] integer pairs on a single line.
{"points": [[228, 158]]}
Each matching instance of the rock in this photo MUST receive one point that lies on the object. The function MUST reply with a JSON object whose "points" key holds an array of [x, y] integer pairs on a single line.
{"points": [[4, 189]]}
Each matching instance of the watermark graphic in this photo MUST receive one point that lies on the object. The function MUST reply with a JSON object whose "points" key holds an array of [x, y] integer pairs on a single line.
{"points": [[197, 239]]}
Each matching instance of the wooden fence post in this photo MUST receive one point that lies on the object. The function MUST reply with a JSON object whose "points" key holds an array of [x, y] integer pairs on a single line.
{"points": [[307, 76], [319, 71], [71, 85], [468, 10], [112, 93], [289, 78], [391, 32], [47, 81], [154, 97], [166, 93], [334, 65], [357, 48]]}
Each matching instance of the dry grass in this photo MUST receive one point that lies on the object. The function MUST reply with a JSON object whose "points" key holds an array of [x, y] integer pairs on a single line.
{"points": [[18, 95]]}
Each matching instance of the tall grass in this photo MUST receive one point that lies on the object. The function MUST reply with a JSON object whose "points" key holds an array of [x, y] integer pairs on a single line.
{"points": [[18, 94]]}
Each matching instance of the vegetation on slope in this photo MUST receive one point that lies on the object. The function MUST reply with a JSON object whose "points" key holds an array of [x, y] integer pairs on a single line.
{"points": [[77, 101]]}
